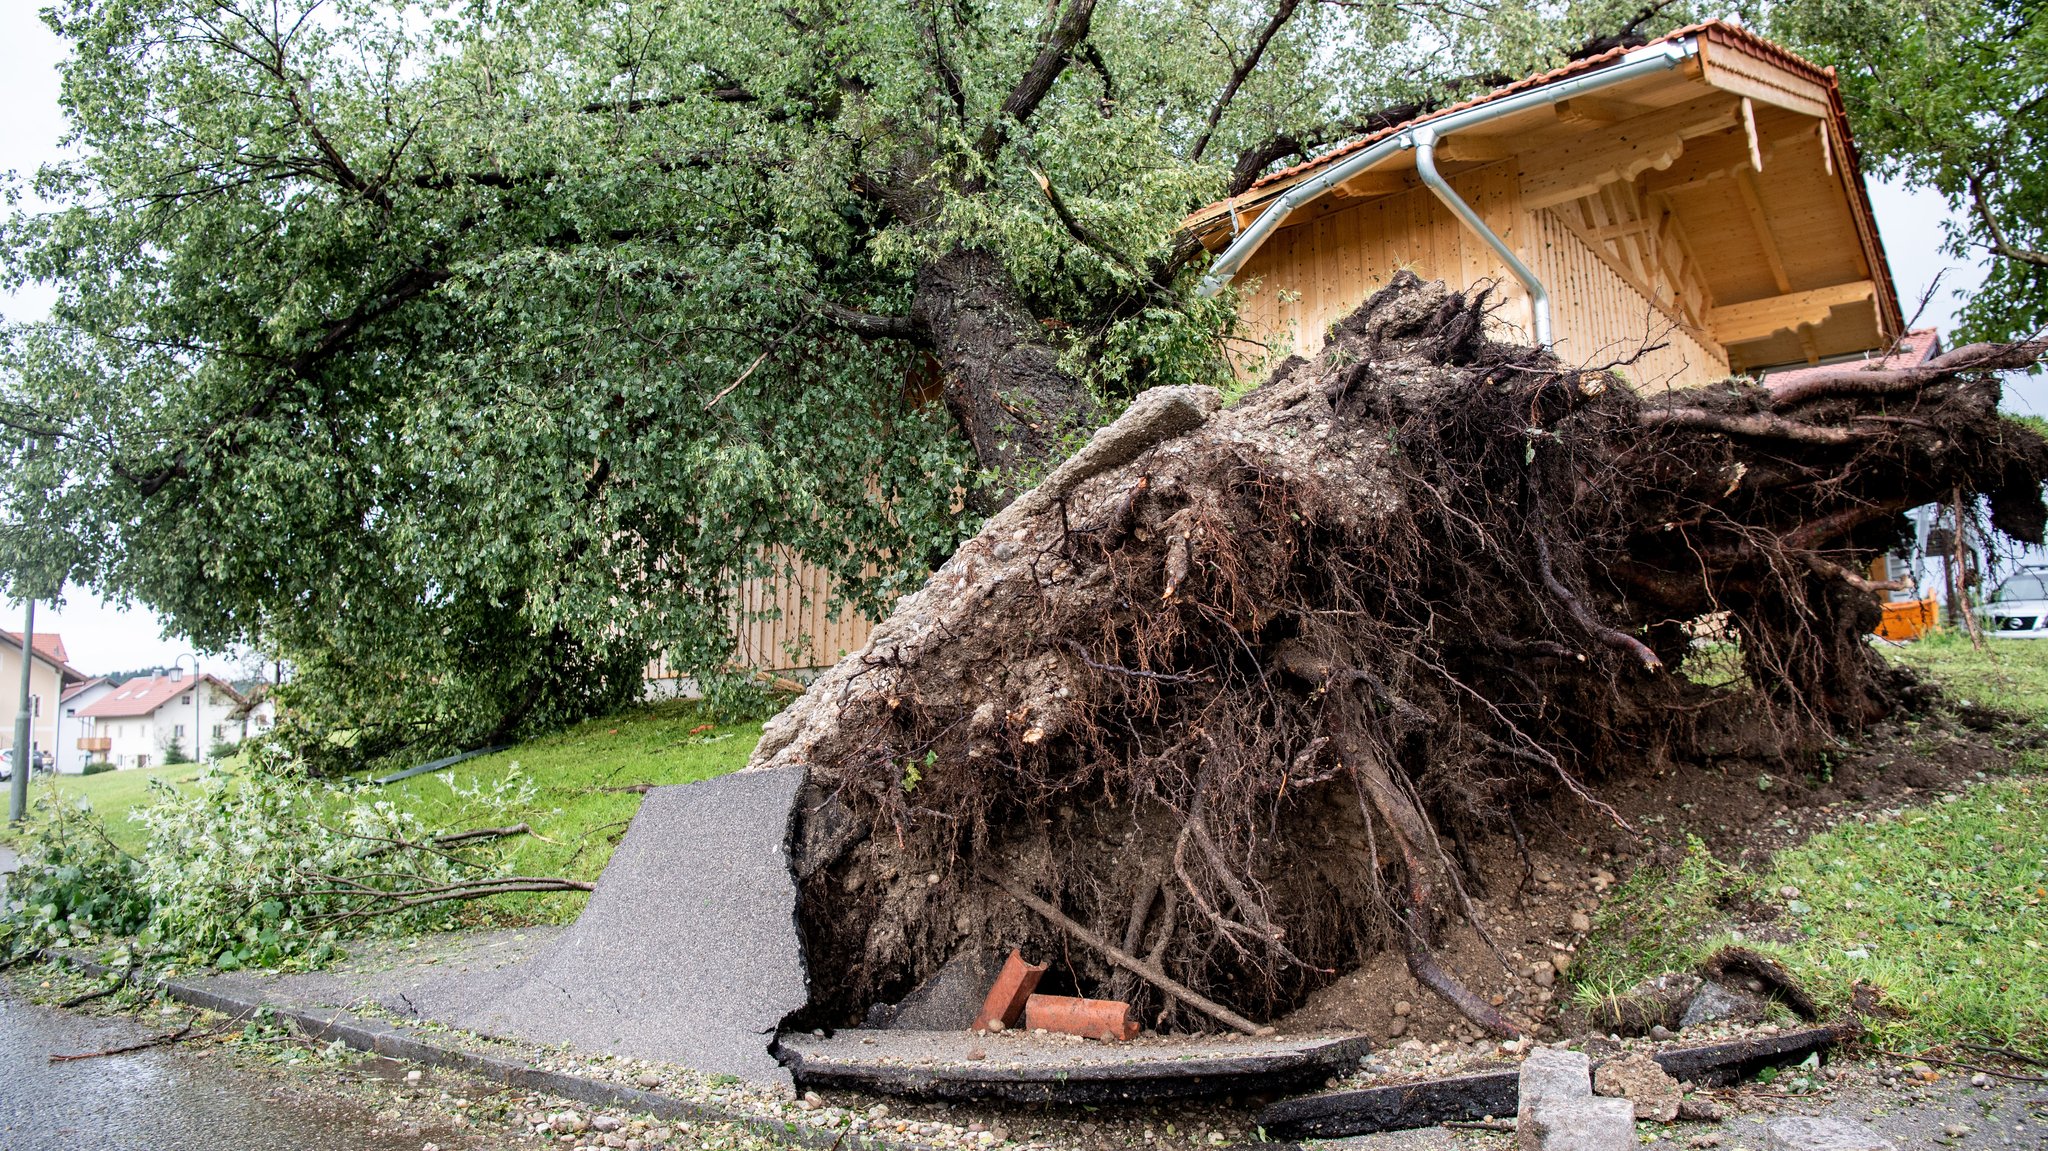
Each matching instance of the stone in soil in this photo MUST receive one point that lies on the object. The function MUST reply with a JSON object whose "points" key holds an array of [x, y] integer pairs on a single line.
{"points": [[1713, 1003], [1637, 1078], [1804, 1134]]}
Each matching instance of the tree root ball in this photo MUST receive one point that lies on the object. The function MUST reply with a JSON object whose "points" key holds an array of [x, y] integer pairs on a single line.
{"points": [[1232, 686]]}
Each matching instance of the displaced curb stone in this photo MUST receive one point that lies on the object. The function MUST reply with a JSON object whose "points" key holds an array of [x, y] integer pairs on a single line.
{"points": [[1559, 1111], [1803, 1134]]}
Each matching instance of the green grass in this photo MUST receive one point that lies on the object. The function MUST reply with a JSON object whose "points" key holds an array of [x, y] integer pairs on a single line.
{"points": [[577, 809], [113, 794], [1943, 908], [2011, 674]]}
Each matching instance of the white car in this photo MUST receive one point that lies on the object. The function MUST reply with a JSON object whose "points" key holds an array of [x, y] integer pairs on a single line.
{"points": [[2019, 608]]}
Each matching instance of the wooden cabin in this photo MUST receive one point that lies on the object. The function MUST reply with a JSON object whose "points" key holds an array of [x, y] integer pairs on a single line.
{"points": [[1700, 192]]}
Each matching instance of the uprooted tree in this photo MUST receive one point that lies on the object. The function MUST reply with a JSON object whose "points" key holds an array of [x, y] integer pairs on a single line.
{"points": [[1217, 694]]}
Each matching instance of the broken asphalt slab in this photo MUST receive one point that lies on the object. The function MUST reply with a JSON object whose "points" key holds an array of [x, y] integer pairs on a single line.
{"points": [[1460, 1098], [1023, 1068], [687, 952]]}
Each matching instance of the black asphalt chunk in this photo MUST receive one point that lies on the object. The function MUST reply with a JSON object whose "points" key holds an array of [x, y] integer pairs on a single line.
{"points": [[1025, 1068], [687, 952]]}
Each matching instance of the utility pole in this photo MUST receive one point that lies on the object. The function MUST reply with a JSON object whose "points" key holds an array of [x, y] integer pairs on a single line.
{"points": [[17, 793]]}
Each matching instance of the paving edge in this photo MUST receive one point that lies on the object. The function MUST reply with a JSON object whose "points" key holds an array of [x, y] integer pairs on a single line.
{"points": [[396, 1043]]}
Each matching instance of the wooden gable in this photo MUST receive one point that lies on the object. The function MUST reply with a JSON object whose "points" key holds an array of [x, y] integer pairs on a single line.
{"points": [[1713, 213]]}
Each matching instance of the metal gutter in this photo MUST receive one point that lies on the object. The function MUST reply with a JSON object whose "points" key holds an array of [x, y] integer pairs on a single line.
{"points": [[1641, 62], [1425, 140]]}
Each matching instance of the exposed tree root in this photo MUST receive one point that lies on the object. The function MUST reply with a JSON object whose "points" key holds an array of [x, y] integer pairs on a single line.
{"points": [[1230, 683]]}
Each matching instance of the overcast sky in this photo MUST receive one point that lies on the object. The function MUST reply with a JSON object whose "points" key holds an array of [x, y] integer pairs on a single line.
{"points": [[101, 637]]}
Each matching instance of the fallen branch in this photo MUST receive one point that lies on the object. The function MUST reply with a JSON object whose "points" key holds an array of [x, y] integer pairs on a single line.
{"points": [[1131, 963], [1865, 382], [482, 833], [397, 901], [120, 980], [179, 1036]]}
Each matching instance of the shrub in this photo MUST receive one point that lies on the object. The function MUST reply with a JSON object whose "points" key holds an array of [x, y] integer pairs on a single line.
{"points": [[72, 883], [96, 767]]}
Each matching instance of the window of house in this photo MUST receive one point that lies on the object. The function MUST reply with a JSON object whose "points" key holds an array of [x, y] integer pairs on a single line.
{"points": [[177, 731], [220, 732], [35, 706], [186, 702]]}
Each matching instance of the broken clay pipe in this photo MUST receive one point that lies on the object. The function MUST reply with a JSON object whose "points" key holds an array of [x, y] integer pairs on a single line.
{"points": [[1014, 985], [1105, 1019]]}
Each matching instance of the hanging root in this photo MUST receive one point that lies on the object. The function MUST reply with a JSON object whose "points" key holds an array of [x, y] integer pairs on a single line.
{"points": [[1219, 688]]}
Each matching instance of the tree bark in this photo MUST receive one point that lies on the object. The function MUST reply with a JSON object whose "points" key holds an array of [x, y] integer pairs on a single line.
{"points": [[1002, 379]]}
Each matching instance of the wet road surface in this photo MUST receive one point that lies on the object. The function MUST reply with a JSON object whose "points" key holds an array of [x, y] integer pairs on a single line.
{"points": [[188, 1096]]}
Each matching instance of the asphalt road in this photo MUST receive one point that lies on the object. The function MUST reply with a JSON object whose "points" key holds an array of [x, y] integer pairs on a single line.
{"points": [[166, 1099]]}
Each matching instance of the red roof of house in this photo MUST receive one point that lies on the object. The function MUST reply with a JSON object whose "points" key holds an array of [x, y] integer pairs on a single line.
{"points": [[48, 644], [1915, 347], [74, 689], [143, 696]]}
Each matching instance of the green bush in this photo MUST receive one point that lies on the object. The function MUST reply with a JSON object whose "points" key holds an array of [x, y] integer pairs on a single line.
{"points": [[97, 767], [265, 867], [72, 884]]}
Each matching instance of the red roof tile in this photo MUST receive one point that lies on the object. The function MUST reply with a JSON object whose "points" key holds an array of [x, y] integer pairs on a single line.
{"points": [[1915, 347]]}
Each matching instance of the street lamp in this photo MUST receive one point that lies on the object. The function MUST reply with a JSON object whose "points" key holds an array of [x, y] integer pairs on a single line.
{"points": [[197, 755]]}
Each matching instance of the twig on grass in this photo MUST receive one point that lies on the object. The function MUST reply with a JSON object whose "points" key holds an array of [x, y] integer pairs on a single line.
{"points": [[482, 833], [120, 981]]}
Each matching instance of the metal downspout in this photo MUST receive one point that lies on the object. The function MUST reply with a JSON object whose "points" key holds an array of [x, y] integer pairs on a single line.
{"points": [[1641, 62], [1425, 139]]}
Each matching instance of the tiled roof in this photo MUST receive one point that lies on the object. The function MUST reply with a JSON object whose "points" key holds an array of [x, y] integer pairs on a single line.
{"points": [[48, 644], [1915, 347], [143, 696]]}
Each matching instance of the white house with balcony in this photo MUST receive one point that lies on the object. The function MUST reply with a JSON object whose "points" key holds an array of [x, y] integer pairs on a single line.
{"points": [[139, 722]]}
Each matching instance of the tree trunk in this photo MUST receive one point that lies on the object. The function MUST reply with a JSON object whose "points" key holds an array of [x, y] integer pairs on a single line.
{"points": [[1003, 381]]}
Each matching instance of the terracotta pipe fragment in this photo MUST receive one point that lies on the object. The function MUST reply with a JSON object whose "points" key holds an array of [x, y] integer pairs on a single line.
{"points": [[1014, 984], [1105, 1019]]}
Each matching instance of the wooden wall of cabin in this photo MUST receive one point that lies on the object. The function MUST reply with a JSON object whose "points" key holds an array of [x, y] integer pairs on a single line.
{"points": [[1310, 274], [785, 624]]}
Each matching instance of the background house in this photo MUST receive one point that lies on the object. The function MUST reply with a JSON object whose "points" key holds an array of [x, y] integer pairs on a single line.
{"points": [[137, 723], [49, 674], [76, 744]]}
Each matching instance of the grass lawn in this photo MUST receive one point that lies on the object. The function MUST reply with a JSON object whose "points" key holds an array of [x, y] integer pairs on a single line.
{"points": [[113, 794], [1944, 908], [579, 807]]}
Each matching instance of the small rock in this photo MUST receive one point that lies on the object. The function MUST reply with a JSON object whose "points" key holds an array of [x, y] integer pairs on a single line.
{"points": [[1637, 1078], [605, 1123], [976, 1053], [1701, 1110], [1980, 1081], [659, 1134], [430, 1147], [1562, 960], [1001, 1135], [995, 1025], [985, 1138], [412, 1077], [1545, 976], [1602, 880], [1713, 1003], [1403, 1007], [811, 1101], [1788, 892], [1660, 1033], [1397, 1028], [879, 1111], [1804, 1134], [1580, 922], [1710, 1139], [648, 1079], [614, 1140], [1957, 1130]]}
